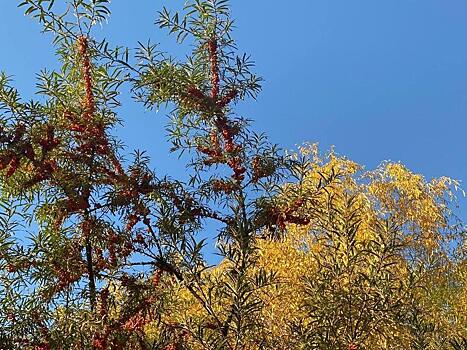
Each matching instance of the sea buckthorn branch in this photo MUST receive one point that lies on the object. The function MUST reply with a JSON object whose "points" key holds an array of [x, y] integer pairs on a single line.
{"points": [[214, 62], [228, 152], [99, 135], [214, 152], [220, 146], [83, 50]]}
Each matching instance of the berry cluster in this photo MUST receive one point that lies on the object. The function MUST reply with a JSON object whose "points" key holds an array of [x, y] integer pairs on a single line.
{"points": [[91, 140], [235, 162], [19, 265], [130, 188], [281, 216], [194, 92], [227, 98], [68, 268], [15, 150], [226, 187], [196, 99], [48, 142], [19, 147], [42, 172], [90, 136], [228, 152], [214, 61], [261, 168], [135, 322], [131, 221], [118, 248], [112, 246], [77, 202], [236, 165], [140, 213], [228, 132], [83, 50], [213, 150]]}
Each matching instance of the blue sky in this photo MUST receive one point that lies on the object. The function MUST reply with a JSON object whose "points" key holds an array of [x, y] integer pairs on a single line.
{"points": [[379, 80]]}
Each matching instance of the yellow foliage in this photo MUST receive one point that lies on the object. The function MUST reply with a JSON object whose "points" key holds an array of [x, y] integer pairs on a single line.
{"points": [[352, 251]]}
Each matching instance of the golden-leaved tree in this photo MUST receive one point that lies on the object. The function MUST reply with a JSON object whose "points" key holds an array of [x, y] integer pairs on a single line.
{"points": [[379, 263]]}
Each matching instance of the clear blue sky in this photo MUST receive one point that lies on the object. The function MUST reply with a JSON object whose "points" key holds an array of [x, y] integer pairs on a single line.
{"points": [[380, 80]]}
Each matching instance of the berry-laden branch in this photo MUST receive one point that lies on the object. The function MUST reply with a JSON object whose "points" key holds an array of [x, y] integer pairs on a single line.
{"points": [[214, 62], [87, 118], [83, 50]]}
